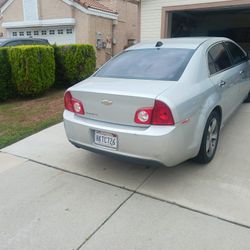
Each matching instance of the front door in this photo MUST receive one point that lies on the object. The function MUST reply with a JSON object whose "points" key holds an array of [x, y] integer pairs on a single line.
{"points": [[222, 75]]}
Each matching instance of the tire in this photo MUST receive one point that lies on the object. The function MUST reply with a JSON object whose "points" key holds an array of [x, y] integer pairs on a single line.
{"points": [[210, 139], [247, 100]]}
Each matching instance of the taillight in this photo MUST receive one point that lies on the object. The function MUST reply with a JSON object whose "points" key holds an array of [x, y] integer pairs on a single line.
{"points": [[160, 114], [72, 104], [143, 116]]}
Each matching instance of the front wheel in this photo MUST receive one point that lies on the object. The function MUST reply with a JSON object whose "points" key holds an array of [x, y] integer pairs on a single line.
{"points": [[210, 139]]}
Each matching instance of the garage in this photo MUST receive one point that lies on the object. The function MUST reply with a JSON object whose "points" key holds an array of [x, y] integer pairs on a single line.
{"points": [[55, 35], [56, 31], [226, 19]]}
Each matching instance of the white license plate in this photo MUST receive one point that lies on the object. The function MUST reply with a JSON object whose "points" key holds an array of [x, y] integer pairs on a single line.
{"points": [[106, 139]]}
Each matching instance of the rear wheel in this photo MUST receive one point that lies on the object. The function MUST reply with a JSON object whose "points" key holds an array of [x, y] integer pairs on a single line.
{"points": [[210, 139]]}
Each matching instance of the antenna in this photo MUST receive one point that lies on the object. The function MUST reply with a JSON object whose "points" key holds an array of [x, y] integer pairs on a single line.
{"points": [[159, 44]]}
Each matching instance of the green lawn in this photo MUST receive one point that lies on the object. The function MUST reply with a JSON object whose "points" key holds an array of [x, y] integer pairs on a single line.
{"points": [[20, 118]]}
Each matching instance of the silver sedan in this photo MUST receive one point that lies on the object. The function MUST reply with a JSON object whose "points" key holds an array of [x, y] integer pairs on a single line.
{"points": [[164, 101]]}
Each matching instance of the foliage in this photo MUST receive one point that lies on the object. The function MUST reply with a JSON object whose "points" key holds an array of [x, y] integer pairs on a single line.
{"points": [[6, 87], [74, 63], [33, 69]]}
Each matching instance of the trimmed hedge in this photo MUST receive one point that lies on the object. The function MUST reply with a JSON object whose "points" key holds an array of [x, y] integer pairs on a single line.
{"points": [[33, 69], [6, 86], [74, 63]]}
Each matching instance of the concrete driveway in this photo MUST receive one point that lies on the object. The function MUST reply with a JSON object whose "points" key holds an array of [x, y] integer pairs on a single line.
{"points": [[54, 196]]}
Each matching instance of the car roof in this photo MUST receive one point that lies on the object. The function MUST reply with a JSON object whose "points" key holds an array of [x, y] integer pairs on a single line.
{"points": [[4, 41], [184, 42]]}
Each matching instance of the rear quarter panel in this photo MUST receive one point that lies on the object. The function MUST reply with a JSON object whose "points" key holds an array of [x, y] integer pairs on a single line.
{"points": [[192, 100]]}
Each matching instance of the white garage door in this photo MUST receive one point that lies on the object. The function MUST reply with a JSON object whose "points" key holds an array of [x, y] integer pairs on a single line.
{"points": [[58, 35]]}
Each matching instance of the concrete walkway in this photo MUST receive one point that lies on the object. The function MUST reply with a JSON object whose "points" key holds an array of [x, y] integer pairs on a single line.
{"points": [[54, 196]]}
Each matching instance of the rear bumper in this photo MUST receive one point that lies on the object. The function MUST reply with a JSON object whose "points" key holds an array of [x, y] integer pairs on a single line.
{"points": [[162, 144]]}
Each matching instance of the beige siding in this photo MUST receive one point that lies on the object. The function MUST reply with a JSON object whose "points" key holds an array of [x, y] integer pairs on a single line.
{"points": [[54, 9], [98, 24], [151, 15], [127, 27], [17, 8], [82, 26]]}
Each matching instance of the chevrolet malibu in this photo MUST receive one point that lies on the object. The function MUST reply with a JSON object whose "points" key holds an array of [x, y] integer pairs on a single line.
{"points": [[164, 101]]}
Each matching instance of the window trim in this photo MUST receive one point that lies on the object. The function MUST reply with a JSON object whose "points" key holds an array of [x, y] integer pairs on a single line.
{"points": [[69, 31], [207, 52], [51, 32], [43, 32], [231, 56], [60, 32]]}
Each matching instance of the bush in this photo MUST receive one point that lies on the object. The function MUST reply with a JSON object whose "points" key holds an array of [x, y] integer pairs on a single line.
{"points": [[33, 69], [6, 87], [74, 63]]}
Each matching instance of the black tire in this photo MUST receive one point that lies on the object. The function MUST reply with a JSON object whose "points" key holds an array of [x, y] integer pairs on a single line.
{"points": [[210, 139], [248, 98]]}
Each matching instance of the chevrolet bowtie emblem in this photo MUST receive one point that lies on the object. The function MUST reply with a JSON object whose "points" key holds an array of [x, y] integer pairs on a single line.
{"points": [[107, 102]]}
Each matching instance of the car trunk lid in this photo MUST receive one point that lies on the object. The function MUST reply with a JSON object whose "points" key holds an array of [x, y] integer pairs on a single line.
{"points": [[117, 100]]}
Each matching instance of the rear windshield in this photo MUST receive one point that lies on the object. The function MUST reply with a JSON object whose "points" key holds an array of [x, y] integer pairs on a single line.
{"points": [[148, 64]]}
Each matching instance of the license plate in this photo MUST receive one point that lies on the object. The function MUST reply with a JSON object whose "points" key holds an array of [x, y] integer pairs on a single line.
{"points": [[106, 139]]}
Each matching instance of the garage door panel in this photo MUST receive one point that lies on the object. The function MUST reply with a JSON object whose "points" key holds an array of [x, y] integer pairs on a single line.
{"points": [[55, 35]]}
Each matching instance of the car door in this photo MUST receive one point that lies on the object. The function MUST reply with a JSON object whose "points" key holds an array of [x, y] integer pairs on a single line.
{"points": [[240, 67], [222, 76]]}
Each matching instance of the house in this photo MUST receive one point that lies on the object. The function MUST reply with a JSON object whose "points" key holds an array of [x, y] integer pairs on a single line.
{"points": [[107, 24], [176, 18]]}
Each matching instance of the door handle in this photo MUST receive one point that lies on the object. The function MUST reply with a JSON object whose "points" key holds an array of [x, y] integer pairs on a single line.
{"points": [[222, 83], [242, 72]]}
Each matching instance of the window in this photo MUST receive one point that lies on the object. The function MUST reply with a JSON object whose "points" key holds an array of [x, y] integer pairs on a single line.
{"points": [[14, 33], [28, 33], [52, 32], [14, 43], [148, 64], [36, 33], [21, 33], [220, 58], [238, 56], [26, 42], [69, 31], [60, 32], [44, 32]]}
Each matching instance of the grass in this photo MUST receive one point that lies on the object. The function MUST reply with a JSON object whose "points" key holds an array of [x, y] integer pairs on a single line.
{"points": [[20, 118]]}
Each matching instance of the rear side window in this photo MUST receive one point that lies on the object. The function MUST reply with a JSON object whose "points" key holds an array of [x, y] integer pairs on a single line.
{"points": [[219, 57], [148, 64], [13, 43], [238, 56], [26, 42], [39, 42]]}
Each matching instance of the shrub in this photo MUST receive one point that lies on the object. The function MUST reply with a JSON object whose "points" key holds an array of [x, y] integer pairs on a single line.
{"points": [[6, 87], [74, 63], [33, 69]]}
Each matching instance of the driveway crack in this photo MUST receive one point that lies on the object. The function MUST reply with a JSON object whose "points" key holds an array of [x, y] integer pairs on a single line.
{"points": [[114, 212]]}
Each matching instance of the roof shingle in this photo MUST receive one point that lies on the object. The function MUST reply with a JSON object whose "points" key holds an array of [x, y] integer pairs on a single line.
{"points": [[2, 2], [94, 5]]}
